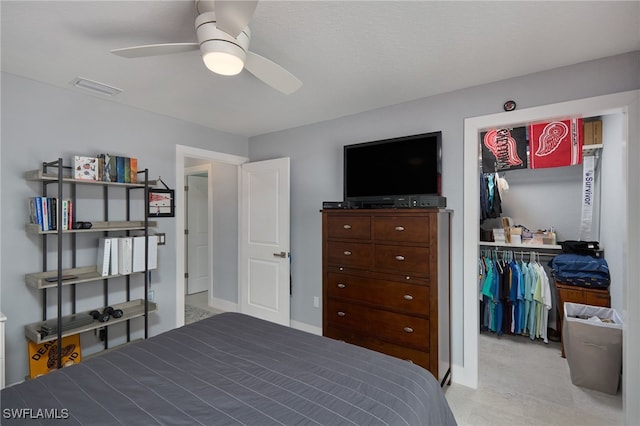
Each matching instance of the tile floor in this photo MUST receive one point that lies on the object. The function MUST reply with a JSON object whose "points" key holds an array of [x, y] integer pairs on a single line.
{"points": [[200, 300], [527, 383]]}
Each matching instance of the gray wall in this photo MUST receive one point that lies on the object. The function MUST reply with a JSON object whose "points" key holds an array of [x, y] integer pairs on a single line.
{"points": [[225, 231], [42, 123], [316, 158]]}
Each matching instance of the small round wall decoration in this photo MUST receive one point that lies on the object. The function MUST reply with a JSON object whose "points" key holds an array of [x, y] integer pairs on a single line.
{"points": [[509, 105]]}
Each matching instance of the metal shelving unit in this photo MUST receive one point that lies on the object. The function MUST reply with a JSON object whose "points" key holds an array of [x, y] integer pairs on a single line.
{"points": [[56, 173]]}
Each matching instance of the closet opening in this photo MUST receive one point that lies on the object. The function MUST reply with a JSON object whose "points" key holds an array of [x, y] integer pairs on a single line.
{"points": [[526, 210]]}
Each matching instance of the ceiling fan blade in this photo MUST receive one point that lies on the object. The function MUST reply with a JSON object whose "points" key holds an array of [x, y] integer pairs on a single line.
{"points": [[155, 49], [233, 16], [272, 74]]}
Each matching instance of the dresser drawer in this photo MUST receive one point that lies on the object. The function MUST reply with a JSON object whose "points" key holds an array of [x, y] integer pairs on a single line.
{"points": [[583, 295], [349, 226], [389, 326], [598, 298], [399, 228], [401, 258], [571, 295], [393, 295], [350, 254], [420, 358]]}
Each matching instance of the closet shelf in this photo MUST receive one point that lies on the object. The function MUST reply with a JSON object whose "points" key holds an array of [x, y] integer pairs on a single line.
{"points": [[522, 246], [590, 149]]}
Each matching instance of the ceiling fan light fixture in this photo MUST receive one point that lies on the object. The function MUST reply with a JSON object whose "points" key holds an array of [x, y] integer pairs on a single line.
{"points": [[222, 57]]}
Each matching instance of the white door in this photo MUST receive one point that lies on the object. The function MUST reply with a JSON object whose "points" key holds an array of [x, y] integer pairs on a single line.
{"points": [[198, 234], [264, 290]]}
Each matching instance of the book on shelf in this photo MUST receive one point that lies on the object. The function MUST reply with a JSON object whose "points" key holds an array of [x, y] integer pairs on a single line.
{"points": [[101, 162], [113, 174], [119, 169], [45, 213], [53, 213], [33, 211], [133, 167], [127, 170], [85, 168], [109, 168], [71, 213], [65, 215]]}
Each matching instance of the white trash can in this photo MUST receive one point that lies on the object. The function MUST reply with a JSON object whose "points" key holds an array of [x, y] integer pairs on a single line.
{"points": [[593, 346]]}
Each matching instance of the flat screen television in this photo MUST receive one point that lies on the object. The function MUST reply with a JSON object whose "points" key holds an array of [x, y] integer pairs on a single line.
{"points": [[381, 171]]}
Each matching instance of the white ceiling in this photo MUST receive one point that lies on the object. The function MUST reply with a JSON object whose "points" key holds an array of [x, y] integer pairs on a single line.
{"points": [[352, 56]]}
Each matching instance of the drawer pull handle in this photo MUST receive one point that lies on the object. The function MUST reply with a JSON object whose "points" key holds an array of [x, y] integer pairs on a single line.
{"points": [[399, 258], [347, 226], [408, 329], [347, 253], [399, 228], [408, 297], [340, 285], [341, 314], [341, 268]]}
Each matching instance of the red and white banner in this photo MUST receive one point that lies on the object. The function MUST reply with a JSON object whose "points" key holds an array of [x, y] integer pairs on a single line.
{"points": [[556, 144]]}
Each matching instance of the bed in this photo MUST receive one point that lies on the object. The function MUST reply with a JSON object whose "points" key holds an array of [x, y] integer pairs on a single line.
{"points": [[233, 369]]}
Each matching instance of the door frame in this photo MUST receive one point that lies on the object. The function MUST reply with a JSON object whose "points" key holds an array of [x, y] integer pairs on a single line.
{"points": [[196, 170], [626, 103], [183, 152]]}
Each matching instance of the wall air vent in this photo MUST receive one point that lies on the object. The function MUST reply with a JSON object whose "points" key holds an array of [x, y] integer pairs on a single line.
{"points": [[95, 87]]}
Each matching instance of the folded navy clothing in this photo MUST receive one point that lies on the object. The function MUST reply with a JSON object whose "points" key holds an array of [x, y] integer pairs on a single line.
{"points": [[580, 270]]}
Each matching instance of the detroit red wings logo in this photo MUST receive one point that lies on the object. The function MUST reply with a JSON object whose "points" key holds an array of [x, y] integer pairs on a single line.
{"points": [[556, 143], [503, 146], [552, 136]]}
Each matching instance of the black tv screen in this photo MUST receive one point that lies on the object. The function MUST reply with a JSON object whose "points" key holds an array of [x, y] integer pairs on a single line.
{"points": [[409, 165]]}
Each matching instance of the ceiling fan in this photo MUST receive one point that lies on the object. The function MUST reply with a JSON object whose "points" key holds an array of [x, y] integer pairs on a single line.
{"points": [[223, 40]]}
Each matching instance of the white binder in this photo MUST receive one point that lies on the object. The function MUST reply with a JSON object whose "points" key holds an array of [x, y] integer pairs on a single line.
{"points": [[139, 252], [113, 268], [104, 253], [125, 252]]}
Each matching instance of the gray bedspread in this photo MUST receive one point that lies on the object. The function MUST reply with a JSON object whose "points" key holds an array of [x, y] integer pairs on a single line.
{"points": [[232, 369]]}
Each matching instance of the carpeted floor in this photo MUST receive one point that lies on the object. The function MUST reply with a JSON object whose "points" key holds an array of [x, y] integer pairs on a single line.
{"points": [[193, 314]]}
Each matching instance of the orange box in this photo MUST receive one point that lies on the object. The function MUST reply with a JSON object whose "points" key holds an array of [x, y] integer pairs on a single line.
{"points": [[43, 356]]}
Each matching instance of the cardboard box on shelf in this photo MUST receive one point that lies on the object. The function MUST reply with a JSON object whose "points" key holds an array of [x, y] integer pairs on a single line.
{"points": [[592, 132]]}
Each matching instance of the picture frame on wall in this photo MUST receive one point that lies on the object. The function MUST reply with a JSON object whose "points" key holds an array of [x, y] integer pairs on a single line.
{"points": [[161, 202]]}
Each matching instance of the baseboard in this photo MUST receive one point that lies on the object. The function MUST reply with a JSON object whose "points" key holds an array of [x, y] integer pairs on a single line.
{"points": [[306, 327], [224, 305]]}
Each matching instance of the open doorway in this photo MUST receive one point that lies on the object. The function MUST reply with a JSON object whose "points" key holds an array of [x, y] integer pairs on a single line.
{"points": [[198, 215], [221, 218]]}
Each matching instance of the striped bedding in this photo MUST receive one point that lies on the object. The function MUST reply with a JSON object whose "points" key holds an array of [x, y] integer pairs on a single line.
{"points": [[232, 369]]}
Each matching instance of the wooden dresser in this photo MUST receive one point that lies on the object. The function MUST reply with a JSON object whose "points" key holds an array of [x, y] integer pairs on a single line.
{"points": [[583, 295], [386, 282]]}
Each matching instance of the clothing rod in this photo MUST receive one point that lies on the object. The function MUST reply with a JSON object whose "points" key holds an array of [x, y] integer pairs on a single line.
{"points": [[522, 253]]}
